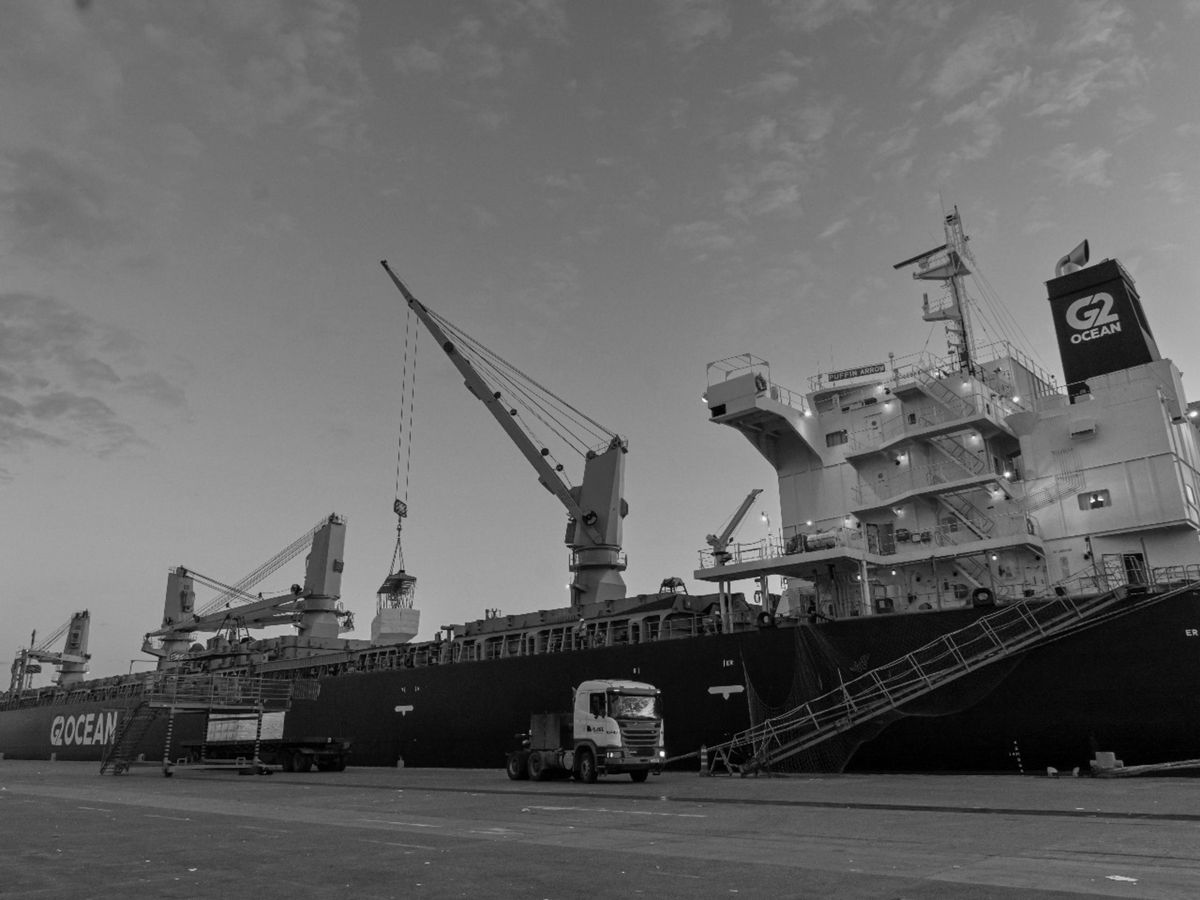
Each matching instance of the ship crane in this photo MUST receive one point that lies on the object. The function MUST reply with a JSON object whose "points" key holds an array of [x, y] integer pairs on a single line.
{"points": [[71, 660], [720, 542], [594, 508], [314, 607]]}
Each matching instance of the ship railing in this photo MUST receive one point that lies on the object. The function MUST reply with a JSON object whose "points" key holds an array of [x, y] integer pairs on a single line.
{"points": [[214, 691], [1175, 575], [955, 533], [984, 367], [770, 547], [911, 479], [747, 364]]}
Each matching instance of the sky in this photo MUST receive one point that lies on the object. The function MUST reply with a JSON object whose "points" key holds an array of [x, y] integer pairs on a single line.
{"points": [[200, 356]]}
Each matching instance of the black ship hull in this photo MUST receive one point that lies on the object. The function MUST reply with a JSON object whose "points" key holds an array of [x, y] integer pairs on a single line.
{"points": [[1131, 686]]}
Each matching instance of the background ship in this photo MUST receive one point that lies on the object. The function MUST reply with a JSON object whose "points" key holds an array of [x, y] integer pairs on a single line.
{"points": [[983, 571]]}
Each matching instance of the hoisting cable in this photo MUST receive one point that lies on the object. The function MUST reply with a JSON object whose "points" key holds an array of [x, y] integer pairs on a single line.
{"points": [[572, 427], [408, 388]]}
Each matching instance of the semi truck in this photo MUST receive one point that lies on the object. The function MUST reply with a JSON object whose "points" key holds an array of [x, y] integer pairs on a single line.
{"points": [[614, 726]]}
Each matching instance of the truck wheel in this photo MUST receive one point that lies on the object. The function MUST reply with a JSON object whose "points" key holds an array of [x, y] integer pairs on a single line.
{"points": [[286, 762], [301, 762], [516, 766], [537, 767], [587, 766], [339, 764], [639, 775]]}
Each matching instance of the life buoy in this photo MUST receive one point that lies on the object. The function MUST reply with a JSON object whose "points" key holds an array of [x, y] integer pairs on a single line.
{"points": [[766, 620], [983, 597]]}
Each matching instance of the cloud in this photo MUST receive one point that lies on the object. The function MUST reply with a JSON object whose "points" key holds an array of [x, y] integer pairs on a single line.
{"points": [[1073, 168], [982, 115], [545, 19], [67, 380], [700, 238], [782, 79], [833, 228], [981, 54], [303, 68], [690, 23], [1094, 26], [811, 15], [417, 59], [1096, 55], [1173, 185], [54, 206], [776, 158]]}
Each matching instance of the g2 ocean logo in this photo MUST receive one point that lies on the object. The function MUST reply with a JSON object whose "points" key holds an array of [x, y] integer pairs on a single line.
{"points": [[85, 728], [1092, 317]]}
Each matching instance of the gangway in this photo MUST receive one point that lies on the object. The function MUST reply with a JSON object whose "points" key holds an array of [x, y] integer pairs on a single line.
{"points": [[1000, 635], [169, 694]]}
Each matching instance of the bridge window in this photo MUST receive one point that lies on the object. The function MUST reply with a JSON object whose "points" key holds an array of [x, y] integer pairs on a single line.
{"points": [[834, 438], [1094, 500]]}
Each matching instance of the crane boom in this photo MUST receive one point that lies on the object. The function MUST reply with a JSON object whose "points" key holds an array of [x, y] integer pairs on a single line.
{"points": [[491, 399], [312, 607], [719, 542], [71, 660], [595, 507]]}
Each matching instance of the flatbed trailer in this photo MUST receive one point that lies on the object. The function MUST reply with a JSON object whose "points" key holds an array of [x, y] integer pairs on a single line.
{"points": [[326, 754]]}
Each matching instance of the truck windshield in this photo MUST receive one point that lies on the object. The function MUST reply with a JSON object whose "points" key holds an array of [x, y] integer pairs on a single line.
{"points": [[631, 706]]}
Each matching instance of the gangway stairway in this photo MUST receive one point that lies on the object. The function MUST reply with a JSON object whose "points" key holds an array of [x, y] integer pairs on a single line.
{"points": [[171, 693], [1000, 635], [127, 743]]}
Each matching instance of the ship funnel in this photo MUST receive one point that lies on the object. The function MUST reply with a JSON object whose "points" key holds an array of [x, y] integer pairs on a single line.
{"points": [[1073, 261]]}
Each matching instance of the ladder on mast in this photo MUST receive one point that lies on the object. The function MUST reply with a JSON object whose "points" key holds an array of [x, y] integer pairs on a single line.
{"points": [[1000, 635]]}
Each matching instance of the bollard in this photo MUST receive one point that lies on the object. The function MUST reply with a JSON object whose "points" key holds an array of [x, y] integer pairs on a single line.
{"points": [[704, 760]]}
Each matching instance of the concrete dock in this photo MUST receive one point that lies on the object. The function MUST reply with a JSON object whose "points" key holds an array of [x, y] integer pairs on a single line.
{"points": [[68, 832]]}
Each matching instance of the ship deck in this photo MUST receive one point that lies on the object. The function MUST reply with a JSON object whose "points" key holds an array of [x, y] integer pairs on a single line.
{"points": [[373, 833]]}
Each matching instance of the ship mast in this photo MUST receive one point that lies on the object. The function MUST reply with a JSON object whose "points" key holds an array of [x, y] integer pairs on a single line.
{"points": [[947, 264]]}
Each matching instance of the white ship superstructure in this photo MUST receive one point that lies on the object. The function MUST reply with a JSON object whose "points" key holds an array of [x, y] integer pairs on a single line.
{"points": [[927, 483]]}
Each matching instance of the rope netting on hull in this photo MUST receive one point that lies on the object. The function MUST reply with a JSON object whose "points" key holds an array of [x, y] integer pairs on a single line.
{"points": [[822, 664]]}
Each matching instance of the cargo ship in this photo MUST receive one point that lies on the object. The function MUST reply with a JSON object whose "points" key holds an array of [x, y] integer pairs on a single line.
{"points": [[981, 570]]}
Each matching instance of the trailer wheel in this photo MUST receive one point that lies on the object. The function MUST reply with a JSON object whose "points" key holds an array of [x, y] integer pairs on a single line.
{"points": [[639, 775], [286, 762], [537, 767], [301, 762], [339, 764], [516, 766], [587, 766]]}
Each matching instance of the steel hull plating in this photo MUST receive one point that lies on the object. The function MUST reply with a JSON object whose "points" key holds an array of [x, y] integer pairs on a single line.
{"points": [[1131, 686]]}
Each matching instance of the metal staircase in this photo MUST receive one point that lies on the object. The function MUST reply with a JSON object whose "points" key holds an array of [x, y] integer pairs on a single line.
{"points": [[957, 404], [1000, 635], [126, 745], [1068, 479], [976, 521], [972, 463], [170, 693]]}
